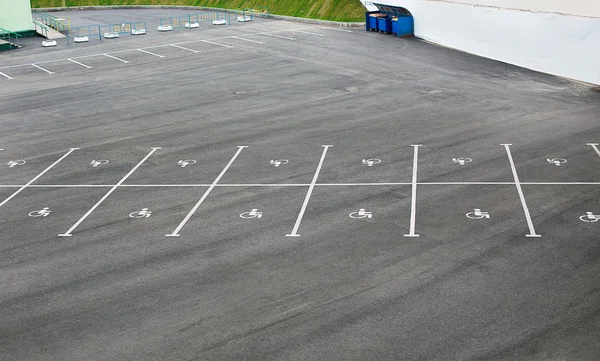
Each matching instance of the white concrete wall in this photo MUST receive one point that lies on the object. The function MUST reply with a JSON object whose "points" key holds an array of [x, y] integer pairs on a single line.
{"points": [[15, 15], [588, 8], [558, 44]]}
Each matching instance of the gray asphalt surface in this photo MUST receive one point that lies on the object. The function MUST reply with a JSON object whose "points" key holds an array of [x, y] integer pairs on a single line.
{"points": [[230, 288]]}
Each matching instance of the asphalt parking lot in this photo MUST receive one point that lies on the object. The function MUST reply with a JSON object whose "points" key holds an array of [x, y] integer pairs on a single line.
{"points": [[281, 191]]}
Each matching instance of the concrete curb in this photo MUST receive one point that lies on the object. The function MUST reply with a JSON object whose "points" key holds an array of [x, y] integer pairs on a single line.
{"points": [[196, 8]]}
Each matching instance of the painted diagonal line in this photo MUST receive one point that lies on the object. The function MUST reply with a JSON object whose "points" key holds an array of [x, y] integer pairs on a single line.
{"points": [[71, 150], [520, 191], [306, 32], [78, 63], [8, 77], [39, 67], [181, 47], [277, 36], [251, 41], [413, 202], [595, 147], [151, 53], [175, 233], [326, 28], [69, 233], [308, 194], [114, 57], [210, 42]]}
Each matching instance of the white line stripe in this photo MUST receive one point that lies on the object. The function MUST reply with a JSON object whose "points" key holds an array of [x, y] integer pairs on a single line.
{"points": [[326, 28], [46, 70], [360, 184], [595, 146], [181, 47], [151, 53], [520, 191], [78, 63], [413, 202], [306, 32], [71, 150], [244, 39], [114, 57], [210, 42], [69, 233], [277, 36], [6, 76], [175, 233], [308, 194]]}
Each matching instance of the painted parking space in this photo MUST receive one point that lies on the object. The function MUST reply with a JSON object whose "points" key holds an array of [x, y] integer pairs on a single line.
{"points": [[19, 167], [465, 213]]}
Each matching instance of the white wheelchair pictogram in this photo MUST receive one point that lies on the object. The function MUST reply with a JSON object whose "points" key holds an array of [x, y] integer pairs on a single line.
{"points": [[371, 162], [252, 214], [362, 213], [185, 162], [478, 214], [96, 163], [590, 217], [44, 212], [277, 162], [14, 163], [144, 213], [556, 161], [462, 161]]}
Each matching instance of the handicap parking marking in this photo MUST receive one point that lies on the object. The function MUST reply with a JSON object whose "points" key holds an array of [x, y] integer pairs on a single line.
{"points": [[37, 215], [461, 213], [347, 164], [274, 165], [464, 163], [557, 162], [99, 165]]}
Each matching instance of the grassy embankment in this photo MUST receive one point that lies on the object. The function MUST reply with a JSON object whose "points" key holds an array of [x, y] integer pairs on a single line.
{"points": [[336, 10]]}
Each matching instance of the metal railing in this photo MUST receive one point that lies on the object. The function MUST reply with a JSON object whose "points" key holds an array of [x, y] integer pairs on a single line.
{"points": [[9, 36], [41, 28], [52, 21], [196, 18]]}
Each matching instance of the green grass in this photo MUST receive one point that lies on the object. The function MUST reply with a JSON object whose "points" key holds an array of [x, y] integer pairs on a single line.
{"points": [[336, 10]]}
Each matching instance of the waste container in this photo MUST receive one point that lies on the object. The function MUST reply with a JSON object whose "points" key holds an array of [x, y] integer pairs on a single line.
{"points": [[404, 26], [372, 20], [384, 24]]}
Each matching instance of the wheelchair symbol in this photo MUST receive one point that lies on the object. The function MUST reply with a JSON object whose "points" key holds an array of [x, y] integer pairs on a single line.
{"points": [[184, 163], [371, 162], [589, 217], [478, 214], [462, 161], [44, 212], [557, 161], [96, 163], [362, 213], [144, 213], [278, 162], [252, 214], [14, 163]]}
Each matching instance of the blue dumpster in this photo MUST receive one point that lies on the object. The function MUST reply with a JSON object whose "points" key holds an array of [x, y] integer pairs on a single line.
{"points": [[404, 26], [384, 24], [373, 21]]}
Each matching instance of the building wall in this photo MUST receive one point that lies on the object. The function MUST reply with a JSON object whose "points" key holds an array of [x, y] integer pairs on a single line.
{"points": [[15, 15], [533, 37]]}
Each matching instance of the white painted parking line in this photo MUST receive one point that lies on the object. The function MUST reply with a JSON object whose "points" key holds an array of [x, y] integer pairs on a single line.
{"points": [[6, 76], [78, 63], [71, 150], [39, 67], [413, 202], [244, 39], [326, 28], [119, 59], [151, 53], [213, 43], [520, 191], [181, 47], [175, 233], [308, 194], [69, 233], [307, 32], [595, 147], [277, 36]]}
